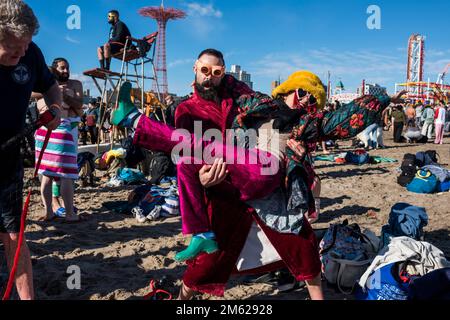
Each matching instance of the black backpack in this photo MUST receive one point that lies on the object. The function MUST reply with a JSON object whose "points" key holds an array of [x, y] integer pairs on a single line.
{"points": [[134, 153], [426, 158], [408, 168], [157, 165]]}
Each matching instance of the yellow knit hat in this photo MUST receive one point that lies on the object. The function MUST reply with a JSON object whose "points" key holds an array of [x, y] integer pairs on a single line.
{"points": [[307, 81]]}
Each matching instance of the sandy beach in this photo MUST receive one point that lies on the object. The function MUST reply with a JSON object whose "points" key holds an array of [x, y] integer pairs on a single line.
{"points": [[119, 256]]}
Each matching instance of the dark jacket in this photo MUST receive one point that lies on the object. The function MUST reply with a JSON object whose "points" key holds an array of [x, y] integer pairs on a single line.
{"points": [[119, 32]]}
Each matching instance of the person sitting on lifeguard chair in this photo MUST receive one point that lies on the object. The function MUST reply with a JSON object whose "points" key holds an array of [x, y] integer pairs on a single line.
{"points": [[117, 39]]}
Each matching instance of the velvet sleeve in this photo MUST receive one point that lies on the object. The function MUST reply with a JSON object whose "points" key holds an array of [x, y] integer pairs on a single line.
{"points": [[183, 119]]}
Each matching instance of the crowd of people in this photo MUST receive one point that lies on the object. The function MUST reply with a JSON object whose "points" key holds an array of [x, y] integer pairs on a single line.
{"points": [[409, 123], [281, 200], [420, 122]]}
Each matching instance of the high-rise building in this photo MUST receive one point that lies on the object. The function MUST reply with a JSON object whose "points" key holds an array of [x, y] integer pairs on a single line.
{"points": [[275, 84], [373, 89], [241, 75]]}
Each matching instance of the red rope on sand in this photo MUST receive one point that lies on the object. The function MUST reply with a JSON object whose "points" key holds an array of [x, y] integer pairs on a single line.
{"points": [[12, 274]]}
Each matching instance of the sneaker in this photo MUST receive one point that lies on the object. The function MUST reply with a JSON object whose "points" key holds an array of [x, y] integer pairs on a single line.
{"points": [[61, 212], [154, 214], [138, 213]]}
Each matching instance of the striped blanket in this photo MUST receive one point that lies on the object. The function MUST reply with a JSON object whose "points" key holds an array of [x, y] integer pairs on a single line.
{"points": [[60, 157]]}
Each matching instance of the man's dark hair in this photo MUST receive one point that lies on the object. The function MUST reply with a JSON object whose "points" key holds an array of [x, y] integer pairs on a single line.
{"points": [[115, 12], [212, 52], [58, 60]]}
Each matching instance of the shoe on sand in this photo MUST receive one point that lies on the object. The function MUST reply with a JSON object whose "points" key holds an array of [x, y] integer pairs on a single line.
{"points": [[197, 246]]}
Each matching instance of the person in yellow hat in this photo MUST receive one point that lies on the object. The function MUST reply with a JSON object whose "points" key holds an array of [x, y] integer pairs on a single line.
{"points": [[303, 90]]}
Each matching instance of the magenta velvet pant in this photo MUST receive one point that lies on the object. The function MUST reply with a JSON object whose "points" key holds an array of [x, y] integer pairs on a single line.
{"points": [[253, 173]]}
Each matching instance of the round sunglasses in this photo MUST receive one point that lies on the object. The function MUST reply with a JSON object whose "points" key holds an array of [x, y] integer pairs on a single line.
{"points": [[206, 69]]}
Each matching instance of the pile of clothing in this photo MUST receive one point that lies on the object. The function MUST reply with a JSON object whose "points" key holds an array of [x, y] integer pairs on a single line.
{"points": [[398, 266], [406, 267], [421, 173], [155, 201], [126, 176], [104, 161], [358, 157]]}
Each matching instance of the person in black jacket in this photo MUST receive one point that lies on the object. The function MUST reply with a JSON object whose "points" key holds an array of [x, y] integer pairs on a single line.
{"points": [[117, 38]]}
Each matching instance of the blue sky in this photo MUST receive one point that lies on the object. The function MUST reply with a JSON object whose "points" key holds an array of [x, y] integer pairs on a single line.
{"points": [[268, 38]]}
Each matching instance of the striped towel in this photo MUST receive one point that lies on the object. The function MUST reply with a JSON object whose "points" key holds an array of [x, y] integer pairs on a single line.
{"points": [[60, 157], [171, 205]]}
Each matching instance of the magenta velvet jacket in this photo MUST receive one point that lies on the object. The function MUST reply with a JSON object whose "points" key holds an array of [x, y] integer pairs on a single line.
{"points": [[230, 218]]}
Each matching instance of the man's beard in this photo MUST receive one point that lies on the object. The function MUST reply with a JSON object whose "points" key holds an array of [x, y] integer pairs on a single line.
{"points": [[62, 78], [210, 94]]}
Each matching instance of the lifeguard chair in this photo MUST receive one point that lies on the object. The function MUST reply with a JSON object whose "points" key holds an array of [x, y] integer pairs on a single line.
{"points": [[134, 57]]}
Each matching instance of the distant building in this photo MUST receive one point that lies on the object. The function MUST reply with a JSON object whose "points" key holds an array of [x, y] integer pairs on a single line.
{"points": [[241, 75], [339, 88], [373, 89], [344, 97], [275, 84]]}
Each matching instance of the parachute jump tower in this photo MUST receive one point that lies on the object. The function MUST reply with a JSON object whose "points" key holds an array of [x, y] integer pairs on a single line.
{"points": [[162, 15]]}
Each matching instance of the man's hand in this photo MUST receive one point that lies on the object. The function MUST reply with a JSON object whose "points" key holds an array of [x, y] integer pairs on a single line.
{"points": [[397, 98], [212, 175], [52, 125]]}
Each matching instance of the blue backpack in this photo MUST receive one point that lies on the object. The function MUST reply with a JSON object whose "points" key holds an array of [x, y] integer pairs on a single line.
{"points": [[357, 158], [444, 186], [423, 182]]}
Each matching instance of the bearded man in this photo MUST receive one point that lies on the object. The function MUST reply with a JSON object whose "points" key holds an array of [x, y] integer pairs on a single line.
{"points": [[59, 165]]}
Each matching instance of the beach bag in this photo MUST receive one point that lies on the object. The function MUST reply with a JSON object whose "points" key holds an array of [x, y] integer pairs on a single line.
{"points": [[134, 154], [157, 166], [346, 253], [444, 186], [160, 166], [423, 182], [389, 282], [358, 158], [426, 158], [408, 168]]}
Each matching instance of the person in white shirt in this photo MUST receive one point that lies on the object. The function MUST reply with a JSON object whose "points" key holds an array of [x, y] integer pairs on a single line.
{"points": [[439, 123]]}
